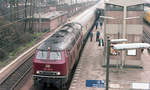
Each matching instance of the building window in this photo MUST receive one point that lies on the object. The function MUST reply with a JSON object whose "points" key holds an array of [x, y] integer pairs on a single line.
{"points": [[111, 7], [131, 52], [139, 7]]}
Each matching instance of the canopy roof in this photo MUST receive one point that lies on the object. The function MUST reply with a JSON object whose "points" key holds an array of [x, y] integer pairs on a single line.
{"points": [[131, 46], [125, 2]]}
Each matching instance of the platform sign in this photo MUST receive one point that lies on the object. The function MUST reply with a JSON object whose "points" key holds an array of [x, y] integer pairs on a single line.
{"points": [[95, 83], [140, 86]]}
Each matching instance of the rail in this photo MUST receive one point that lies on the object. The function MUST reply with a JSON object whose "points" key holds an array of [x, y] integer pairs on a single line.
{"points": [[13, 78]]}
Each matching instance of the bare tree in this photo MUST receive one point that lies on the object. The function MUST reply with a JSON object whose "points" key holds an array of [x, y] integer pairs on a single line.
{"points": [[25, 27]]}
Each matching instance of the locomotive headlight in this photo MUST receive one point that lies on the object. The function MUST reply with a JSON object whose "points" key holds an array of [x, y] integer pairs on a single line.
{"points": [[37, 72], [58, 73]]}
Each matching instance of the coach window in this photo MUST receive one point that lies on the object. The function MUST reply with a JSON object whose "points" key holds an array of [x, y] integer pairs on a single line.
{"points": [[55, 56], [42, 55]]}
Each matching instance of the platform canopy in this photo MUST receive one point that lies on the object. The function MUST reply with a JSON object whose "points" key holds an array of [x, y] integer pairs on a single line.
{"points": [[118, 40], [131, 46], [125, 2]]}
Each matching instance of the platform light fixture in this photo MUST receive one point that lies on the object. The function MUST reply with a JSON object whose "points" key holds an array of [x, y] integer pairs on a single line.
{"points": [[131, 46], [128, 18]]}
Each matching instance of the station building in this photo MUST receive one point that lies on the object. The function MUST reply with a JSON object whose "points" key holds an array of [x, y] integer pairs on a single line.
{"points": [[49, 21], [124, 21]]}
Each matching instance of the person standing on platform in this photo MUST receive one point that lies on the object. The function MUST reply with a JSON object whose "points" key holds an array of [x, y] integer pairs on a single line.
{"points": [[101, 23], [91, 36], [96, 24], [97, 35], [100, 42]]}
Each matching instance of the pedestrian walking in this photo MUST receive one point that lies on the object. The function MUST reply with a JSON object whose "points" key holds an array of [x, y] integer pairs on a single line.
{"points": [[100, 42], [101, 23], [96, 24], [97, 35], [91, 36]]}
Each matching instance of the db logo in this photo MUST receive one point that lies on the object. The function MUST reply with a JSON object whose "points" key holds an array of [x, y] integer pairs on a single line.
{"points": [[47, 66]]}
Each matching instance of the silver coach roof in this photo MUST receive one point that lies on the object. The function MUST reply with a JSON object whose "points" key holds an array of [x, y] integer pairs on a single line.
{"points": [[85, 17]]}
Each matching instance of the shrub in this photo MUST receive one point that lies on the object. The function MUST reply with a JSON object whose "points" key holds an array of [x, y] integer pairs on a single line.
{"points": [[26, 37], [3, 54]]}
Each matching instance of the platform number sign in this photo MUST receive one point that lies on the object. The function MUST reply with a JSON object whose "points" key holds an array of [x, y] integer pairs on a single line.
{"points": [[95, 83]]}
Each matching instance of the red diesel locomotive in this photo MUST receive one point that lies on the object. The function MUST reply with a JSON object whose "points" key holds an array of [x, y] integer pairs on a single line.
{"points": [[56, 56]]}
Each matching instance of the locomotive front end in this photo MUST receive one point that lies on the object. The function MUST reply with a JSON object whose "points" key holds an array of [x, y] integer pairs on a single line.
{"points": [[50, 67]]}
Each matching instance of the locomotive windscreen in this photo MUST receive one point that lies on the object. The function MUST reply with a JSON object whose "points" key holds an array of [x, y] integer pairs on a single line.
{"points": [[42, 55], [55, 56], [46, 55]]}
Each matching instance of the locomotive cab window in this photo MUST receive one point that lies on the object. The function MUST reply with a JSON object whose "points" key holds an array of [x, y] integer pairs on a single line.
{"points": [[55, 56], [42, 55]]}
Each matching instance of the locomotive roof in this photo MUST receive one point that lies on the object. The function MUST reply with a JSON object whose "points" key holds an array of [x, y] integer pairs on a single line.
{"points": [[62, 39]]}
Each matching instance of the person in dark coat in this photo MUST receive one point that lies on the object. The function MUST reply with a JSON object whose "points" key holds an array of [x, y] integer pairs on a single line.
{"points": [[91, 36], [96, 24], [99, 42], [97, 35], [101, 23]]}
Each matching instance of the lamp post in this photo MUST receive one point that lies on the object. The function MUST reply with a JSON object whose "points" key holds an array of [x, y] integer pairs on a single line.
{"points": [[107, 65], [40, 29]]}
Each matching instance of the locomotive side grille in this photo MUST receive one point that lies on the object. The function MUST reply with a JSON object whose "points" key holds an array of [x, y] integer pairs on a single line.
{"points": [[48, 73]]}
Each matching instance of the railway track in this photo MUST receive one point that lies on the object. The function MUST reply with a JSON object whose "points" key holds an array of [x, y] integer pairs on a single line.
{"points": [[10, 81], [13, 79], [15, 76]]}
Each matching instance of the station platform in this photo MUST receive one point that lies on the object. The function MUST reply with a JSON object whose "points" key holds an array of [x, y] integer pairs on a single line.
{"points": [[90, 67]]}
